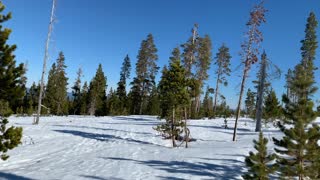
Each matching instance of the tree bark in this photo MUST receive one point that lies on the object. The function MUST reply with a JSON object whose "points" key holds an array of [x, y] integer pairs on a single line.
{"points": [[216, 96], [260, 96], [245, 72], [46, 54], [172, 128], [185, 127]]}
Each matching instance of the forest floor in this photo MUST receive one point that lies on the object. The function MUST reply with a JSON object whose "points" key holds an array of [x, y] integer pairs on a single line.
{"points": [[127, 147]]}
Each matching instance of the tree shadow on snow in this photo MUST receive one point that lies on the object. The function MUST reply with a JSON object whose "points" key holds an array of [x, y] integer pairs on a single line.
{"points": [[99, 178], [228, 169], [103, 137], [128, 118], [240, 131], [103, 129], [9, 176]]}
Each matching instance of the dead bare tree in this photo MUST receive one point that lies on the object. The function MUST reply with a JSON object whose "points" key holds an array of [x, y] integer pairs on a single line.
{"points": [[250, 51], [267, 72], [46, 55]]}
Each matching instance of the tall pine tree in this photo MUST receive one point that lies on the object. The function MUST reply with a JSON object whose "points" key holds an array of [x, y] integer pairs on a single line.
{"points": [[56, 90], [12, 88], [97, 94], [76, 93], [297, 157], [223, 70], [121, 90], [146, 70]]}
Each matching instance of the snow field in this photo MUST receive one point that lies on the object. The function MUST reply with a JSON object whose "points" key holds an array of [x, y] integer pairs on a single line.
{"points": [[126, 147]]}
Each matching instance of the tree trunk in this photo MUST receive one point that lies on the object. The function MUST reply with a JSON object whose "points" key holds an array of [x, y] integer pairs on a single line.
{"points": [[216, 96], [46, 55], [245, 72], [172, 128], [185, 127], [260, 96], [92, 108]]}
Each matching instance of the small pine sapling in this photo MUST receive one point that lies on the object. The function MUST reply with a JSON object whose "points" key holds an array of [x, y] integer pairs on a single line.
{"points": [[260, 165]]}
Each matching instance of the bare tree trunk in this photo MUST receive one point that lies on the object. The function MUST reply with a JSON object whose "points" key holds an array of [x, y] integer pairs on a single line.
{"points": [[46, 54], [185, 127], [216, 95], [245, 72], [172, 128], [260, 95]]}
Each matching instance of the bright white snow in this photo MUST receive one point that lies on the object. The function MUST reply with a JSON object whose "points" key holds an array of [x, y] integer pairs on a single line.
{"points": [[98, 148]]}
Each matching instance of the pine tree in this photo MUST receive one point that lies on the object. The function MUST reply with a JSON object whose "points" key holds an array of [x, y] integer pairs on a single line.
{"points": [[272, 108], [190, 49], [288, 86], [174, 97], [62, 83], [50, 92], [97, 93], [260, 165], [76, 93], [250, 103], [204, 58], [12, 79], [56, 90], [113, 103], [297, 155], [12, 88], [207, 104], [146, 70], [153, 107], [84, 98], [223, 69], [134, 96], [250, 51], [121, 90]]}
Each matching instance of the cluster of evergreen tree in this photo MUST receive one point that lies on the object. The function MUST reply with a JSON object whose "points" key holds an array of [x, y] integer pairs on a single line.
{"points": [[297, 153]]}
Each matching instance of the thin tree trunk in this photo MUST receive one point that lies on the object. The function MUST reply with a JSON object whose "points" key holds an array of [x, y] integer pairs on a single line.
{"points": [[216, 96], [245, 72], [172, 128], [185, 127], [260, 96], [46, 54]]}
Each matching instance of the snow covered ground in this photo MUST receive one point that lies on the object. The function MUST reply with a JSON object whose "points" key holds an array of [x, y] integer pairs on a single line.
{"points": [[116, 148]]}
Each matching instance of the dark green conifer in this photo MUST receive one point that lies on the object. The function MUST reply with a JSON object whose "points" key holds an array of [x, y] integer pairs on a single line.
{"points": [[76, 93], [173, 97], [297, 155], [97, 94], [250, 103], [260, 164], [121, 90], [272, 108], [84, 99], [12, 88], [56, 90]]}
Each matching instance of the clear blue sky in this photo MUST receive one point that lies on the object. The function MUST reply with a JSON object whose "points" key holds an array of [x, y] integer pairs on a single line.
{"points": [[90, 32]]}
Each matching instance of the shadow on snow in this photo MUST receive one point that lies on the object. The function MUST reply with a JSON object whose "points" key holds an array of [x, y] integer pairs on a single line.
{"points": [[103, 137], [99, 178], [197, 169], [9, 176]]}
